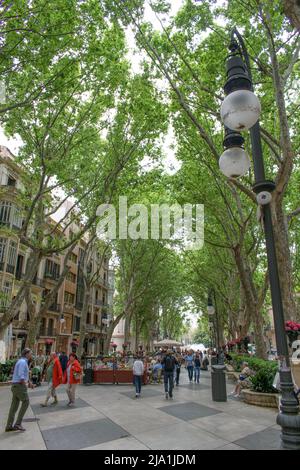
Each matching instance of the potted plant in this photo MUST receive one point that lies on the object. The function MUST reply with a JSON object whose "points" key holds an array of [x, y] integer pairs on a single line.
{"points": [[261, 392]]}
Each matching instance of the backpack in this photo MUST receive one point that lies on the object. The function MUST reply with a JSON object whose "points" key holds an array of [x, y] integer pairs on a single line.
{"points": [[169, 364]]}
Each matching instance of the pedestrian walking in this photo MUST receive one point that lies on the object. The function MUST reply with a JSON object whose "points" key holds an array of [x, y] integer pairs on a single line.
{"points": [[20, 381], [205, 361], [178, 369], [63, 359], [72, 377], [197, 365], [54, 378], [189, 363], [138, 371], [169, 363]]}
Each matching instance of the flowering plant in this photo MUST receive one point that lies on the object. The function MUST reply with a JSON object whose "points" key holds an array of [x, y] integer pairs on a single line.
{"points": [[292, 326]]}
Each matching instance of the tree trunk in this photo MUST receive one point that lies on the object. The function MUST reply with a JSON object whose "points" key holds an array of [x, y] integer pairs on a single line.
{"points": [[292, 11], [284, 262], [259, 333], [84, 311], [127, 329], [15, 306], [251, 301], [34, 316], [136, 334], [107, 341], [110, 331], [33, 331], [34, 320]]}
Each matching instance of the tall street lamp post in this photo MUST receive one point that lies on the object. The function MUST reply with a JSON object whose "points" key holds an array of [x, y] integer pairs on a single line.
{"points": [[240, 111], [212, 311]]}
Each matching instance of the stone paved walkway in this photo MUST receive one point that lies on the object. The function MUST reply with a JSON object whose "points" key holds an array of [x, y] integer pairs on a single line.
{"points": [[109, 417]]}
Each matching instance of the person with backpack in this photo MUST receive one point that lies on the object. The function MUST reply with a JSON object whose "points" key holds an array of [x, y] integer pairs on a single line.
{"points": [[169, 362]]}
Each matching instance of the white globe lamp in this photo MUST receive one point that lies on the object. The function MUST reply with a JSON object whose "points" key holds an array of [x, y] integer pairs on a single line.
{"points": [[234, 162], [240, 110]]}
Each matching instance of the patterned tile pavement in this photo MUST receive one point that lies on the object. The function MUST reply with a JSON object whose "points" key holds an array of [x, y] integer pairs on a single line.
{"points": [[110, 417]]}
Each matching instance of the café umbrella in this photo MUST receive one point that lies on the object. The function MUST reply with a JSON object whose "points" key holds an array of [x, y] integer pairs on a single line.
{"points": [[166, 343]]}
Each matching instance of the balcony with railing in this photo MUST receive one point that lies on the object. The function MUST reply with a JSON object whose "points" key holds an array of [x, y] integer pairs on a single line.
{"points": [[45, 331], [51, 276], [93, 328], [69, 308], [54, 308], [37, 281]]}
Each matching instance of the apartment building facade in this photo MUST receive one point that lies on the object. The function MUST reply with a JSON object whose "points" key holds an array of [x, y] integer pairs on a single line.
{"points": [[60, 326]]}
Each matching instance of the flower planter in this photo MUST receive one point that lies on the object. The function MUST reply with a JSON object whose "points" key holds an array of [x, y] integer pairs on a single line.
{"points": [[270, 400], [103, 376], [126, 376]]}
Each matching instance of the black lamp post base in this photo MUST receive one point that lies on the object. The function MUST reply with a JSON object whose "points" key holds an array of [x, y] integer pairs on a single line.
{"points": [[288, 418], [290, 430]]}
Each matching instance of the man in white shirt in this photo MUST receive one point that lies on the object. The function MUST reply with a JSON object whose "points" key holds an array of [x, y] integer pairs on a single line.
{"points": [[138, 371]]}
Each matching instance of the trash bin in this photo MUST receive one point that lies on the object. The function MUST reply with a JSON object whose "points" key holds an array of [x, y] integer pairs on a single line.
{"points": [[88, 371], [218, 383]]}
